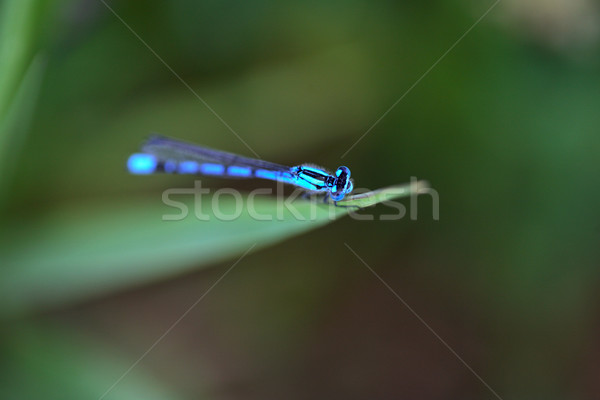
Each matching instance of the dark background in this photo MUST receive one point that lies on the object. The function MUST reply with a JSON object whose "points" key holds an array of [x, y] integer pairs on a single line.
{"points": [[504, 127]]}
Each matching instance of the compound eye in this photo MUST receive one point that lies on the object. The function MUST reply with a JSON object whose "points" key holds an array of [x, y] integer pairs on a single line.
{"points": [[349, 186], [342, 183], [342, 171]]}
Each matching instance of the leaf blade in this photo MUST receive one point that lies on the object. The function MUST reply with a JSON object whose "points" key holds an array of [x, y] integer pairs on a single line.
{"points": [[94, 249]]}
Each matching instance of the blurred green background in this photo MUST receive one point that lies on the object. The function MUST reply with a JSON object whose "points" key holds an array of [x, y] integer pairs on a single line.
{"points": [[505, 127]]}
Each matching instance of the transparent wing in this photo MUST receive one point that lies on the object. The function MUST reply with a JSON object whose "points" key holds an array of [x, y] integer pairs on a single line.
{"points": [[164, 148]]}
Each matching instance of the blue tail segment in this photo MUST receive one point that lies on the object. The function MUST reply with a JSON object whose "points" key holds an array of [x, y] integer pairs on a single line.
{"points": [[188, 167], [163, 154], [142, 164], [211, 169]]}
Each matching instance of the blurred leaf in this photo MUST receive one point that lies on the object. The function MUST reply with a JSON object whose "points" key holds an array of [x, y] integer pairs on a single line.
{"points": [[44, 363], [19, 75], [17, 119], [80, 253], [17, 24]]}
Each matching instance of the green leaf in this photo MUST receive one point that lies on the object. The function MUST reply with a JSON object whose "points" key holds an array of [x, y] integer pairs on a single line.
{"points": [[21, 72], [17, 25], [14, 125], [40, 362], [88, 251], [384, 194]]}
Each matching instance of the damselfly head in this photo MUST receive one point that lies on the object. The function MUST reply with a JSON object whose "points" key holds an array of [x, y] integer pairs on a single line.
{"points": [[343, 185]]}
